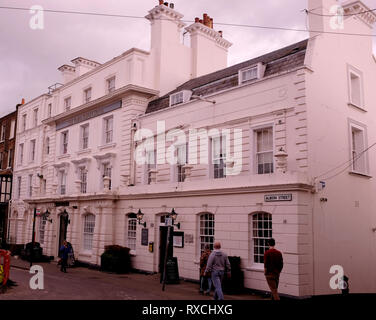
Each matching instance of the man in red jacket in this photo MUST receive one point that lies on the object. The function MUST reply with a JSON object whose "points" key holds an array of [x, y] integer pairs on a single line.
{"points": [[273, 264]]}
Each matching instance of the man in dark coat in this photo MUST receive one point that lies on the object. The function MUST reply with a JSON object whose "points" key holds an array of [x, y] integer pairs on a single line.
{"points": [[273, 264]]}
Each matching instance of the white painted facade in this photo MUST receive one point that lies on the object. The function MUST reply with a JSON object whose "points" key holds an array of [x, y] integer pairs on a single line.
{"points": [[306, 110]]}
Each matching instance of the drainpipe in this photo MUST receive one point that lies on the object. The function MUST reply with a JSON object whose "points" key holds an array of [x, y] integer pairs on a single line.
{"points": [[132, 177]]}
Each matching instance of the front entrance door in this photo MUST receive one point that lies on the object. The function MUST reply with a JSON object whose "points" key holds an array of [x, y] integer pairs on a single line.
{"points": [[63, 230]]}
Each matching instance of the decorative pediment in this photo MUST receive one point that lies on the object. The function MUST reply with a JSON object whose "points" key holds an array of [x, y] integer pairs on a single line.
{"points": [[107, 157], [84, 162], [355, 8], [63, 166]]}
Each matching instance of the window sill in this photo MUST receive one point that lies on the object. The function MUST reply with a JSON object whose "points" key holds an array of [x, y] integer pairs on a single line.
{"points": [[64, 156], [133, 253], [83, 151], [107, 146], [255, 268], [86, 253], [356, 106], [360, 174]]}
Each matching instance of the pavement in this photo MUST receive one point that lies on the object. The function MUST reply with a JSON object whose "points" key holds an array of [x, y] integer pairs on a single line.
{"points": [[81, 283]]}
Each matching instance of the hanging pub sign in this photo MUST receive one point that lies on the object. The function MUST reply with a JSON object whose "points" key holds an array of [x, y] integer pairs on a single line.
{"points": [[277, 197]]}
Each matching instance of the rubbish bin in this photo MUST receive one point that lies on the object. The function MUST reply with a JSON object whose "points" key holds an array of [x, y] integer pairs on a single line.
{"points": [[32, 253], [235, 285]]}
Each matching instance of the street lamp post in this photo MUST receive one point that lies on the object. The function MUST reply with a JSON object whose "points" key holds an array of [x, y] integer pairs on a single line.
{"points": [[33, 238], [170, 229]]}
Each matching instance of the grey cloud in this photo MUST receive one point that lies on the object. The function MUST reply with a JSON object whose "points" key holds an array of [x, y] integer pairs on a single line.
{"points": [[29, 58]]}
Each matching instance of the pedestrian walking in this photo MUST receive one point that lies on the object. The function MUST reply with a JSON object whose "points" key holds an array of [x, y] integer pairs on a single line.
{"points": [[64, 251], [273, 264], [205, 279], [218, 265]]}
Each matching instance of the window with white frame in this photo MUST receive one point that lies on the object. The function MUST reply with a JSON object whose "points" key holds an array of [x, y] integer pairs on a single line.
{"points": [[180, 97], [355, 79], [110, 84], [30, 186], [108, 129], [2, 134], [47, 145], [24, 122], [261, 226], [87, 95], [35, 123], [21, 154], [176, 98], [182, 159], [218, 147], [131, 230], [62, 182], [19, 185], [151, 157], [67, 103], [64, 142], [12, 129], [42, 228], [206, 231], [10, 157], [89, 225], [49, 110], [32, 150], [249, 74], [264, 150], [83, 179], [358, 145], [107, 172], [84, 136]]}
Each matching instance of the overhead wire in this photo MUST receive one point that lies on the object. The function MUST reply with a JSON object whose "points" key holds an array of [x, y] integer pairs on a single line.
{"points": [[190, 21]]}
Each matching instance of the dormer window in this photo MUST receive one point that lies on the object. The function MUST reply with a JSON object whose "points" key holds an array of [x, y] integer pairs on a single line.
{"points": [[251, 73], [180, 97]]}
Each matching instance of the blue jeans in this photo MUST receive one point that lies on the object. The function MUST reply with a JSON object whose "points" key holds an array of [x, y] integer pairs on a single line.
{"points": [[217, 278], [202, 280]]}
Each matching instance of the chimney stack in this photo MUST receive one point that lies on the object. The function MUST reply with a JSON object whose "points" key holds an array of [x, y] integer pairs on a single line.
{"points": [[209, 48]]}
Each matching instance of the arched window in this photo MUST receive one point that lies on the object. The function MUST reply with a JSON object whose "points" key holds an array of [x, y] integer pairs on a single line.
{"points": [[206, 230], [89, 225], [261, 226], [131, 230]]}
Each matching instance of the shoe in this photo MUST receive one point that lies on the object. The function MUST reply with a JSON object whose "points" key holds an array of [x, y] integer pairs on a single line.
{"points": [[207, 293]]}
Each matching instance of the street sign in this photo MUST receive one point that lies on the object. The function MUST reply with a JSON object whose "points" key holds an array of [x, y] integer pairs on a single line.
{"points": [[278, 197], [37, 212]]}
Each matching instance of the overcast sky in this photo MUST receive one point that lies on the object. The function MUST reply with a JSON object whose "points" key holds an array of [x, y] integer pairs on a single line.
{"points": [[29, 58]]}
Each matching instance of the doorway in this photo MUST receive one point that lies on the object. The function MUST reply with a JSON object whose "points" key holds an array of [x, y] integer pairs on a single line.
{"points": [[63, 230]]}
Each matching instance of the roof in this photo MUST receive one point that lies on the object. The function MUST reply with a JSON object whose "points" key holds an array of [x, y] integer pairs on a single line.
{"points": [[276, 62]]}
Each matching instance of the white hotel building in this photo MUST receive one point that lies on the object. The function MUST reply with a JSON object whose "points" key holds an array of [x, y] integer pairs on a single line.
{"points": [[306, 114]]}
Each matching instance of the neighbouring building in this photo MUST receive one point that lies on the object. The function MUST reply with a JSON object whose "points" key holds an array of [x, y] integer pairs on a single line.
{"points": [[282, 146], [8, 126]]}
